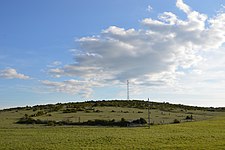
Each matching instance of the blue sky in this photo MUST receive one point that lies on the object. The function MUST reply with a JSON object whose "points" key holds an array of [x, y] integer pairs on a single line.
{"points": [[76, 50]]}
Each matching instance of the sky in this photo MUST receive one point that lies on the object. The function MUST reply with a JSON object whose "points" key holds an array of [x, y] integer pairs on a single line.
{"points": [[77, 50]]}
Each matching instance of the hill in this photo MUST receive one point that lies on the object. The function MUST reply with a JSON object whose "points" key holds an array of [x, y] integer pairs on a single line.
{"points": [[107, 113]]}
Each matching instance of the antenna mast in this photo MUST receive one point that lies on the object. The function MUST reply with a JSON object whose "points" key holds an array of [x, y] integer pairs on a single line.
{"points": [[128, 97]]}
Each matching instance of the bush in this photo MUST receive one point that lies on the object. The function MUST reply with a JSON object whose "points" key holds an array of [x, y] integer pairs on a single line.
{"points": [[176, 121], [123, 123], [143, 121], [139, 121], [51, 123], [40, 113], [97, 111], [80, 109], [26, 120], [35, 109], [189, 117], [122, 120], [69, 111]]}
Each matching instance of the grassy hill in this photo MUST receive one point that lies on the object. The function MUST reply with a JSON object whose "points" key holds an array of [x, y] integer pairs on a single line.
{"points": [[161, 113], [206, 130]]}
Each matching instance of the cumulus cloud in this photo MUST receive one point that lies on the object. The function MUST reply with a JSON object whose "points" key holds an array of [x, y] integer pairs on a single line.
{"points": [[181, 5], [11, 73], [155, 55]]}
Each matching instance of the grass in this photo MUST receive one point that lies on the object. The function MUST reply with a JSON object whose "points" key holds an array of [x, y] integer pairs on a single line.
{"points": [[208, 134], [107, 113]]}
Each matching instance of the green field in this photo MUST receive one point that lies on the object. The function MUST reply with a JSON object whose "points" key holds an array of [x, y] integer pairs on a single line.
{"points": [[206, 131]]}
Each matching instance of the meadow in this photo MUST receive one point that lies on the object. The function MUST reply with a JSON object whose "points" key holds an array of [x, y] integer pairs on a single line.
{"points": [[207, 131]]}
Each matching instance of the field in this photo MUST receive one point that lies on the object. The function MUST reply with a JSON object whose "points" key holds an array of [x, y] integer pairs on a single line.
{"points": [[207, 131]]}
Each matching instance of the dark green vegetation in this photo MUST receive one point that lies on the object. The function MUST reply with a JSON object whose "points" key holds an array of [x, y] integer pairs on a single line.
{"points": [[97, 122], [184, 127]]}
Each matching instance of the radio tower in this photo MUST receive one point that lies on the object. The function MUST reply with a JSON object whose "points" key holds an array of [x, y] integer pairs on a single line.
{"points": [[128, 90]]}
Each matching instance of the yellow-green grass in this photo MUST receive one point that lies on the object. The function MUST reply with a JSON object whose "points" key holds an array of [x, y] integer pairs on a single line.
{"points": [[207, 134], [9, 118], [200, 134], [108, 113]]}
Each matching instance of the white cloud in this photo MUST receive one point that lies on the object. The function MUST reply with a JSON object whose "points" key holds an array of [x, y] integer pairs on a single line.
{"points": [[158, 54], [169, 18], [55, 64], [182, 6], [149, 8], [84, 88], [11, 73]]}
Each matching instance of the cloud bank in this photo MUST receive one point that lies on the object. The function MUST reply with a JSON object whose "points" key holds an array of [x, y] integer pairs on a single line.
{"points": [[158, 54]]}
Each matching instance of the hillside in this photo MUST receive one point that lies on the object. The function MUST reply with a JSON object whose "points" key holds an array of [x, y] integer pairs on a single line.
{"points": [[111, 113]]}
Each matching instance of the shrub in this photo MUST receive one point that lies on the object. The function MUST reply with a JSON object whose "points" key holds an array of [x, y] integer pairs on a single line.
{"points": [[80, 109], [26, 120], [35, 109], [97, 111], [122, 120], [139, 121], [123, 123], [69, 111], [189, 117], [176, 121], [40, 113], [143, 121], [51, 123]]}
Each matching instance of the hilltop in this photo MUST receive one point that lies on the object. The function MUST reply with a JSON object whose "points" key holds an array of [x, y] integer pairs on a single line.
{"points": [[140, 104]]}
